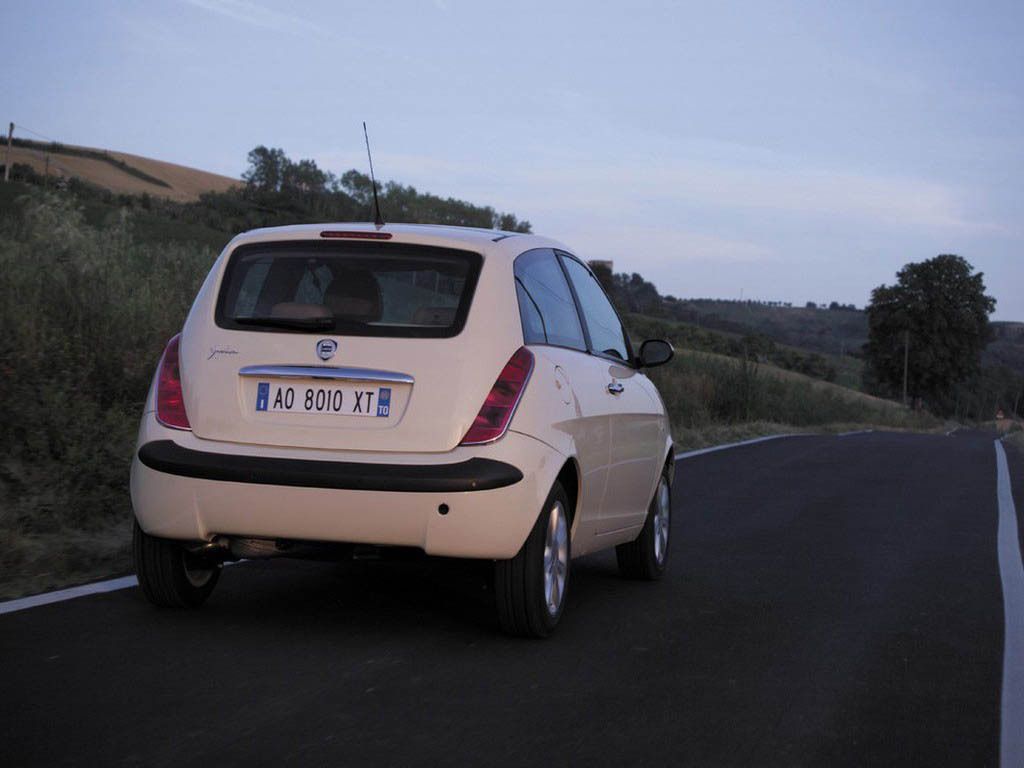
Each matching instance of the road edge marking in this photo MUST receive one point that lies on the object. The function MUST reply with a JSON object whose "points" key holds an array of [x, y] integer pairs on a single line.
{"points": [[96, 588], [855, 432], [83, 590], [1011, 572], [726, 446]]}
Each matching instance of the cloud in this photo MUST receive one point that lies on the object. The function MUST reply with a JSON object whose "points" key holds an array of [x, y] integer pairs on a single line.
{"points": [[258, 16], [795, 190]]}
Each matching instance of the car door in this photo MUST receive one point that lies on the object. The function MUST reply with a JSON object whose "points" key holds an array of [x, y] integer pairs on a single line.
{"points": [[637, 423], [553, 329]]}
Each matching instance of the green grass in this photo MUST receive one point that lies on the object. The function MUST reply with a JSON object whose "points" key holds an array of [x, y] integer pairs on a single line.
{"points": [[703, 391], [85, 314]]}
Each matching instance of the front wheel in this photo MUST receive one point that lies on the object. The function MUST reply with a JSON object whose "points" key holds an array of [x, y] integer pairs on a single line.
{"points": [[169, 575], [530, 588], [646, 556]]}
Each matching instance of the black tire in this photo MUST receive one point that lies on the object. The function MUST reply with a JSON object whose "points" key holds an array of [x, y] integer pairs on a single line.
{"points": [[646, 557], [168, 574], [519, 583]]}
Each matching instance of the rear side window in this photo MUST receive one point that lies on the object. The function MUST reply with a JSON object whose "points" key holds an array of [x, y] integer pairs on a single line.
{"points": [[546, 305], [607, 337], [356, 289]]}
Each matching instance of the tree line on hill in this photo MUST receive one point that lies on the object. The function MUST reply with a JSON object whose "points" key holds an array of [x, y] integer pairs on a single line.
{"points": [[279, 191]]}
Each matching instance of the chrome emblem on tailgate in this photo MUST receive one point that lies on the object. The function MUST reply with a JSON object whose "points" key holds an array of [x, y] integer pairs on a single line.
{"points": [[325, 348]]}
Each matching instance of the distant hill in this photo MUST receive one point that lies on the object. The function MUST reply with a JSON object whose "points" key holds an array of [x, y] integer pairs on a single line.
{"points": [[118, 172], [829, 331], [1007, 348]]}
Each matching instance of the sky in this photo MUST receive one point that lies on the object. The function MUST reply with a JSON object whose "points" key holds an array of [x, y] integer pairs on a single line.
{"points": [[777, 151]]}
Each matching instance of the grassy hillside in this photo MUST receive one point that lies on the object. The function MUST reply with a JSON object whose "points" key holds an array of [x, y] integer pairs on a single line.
{"points": [[118, 172], [712, 396], [844, 370]]}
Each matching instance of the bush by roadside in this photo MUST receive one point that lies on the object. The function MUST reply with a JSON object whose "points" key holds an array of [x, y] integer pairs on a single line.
{"points": [[85, 314]]}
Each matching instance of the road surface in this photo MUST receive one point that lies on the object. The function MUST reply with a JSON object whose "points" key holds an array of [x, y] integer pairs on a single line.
{"points": [[831, 601]]}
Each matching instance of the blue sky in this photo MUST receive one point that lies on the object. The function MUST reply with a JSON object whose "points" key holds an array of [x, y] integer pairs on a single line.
{"points": [[786, 151]]}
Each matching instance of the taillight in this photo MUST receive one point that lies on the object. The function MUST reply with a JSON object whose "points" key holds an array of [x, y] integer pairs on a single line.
{"points": [[501, 402], [170, 401]]}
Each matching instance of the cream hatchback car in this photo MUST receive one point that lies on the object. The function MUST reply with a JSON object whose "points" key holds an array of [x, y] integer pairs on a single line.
{"points": [[462, 392]]}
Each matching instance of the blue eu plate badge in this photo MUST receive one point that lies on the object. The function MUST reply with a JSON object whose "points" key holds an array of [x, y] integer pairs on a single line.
{"points": [[262, 395], [384, 401]]}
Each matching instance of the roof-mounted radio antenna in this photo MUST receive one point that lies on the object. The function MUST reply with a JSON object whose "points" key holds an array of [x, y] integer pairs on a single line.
{"points": [[378, 220]]}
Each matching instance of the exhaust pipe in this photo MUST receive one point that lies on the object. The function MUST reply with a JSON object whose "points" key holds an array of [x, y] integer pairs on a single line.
{"points": [[253, 549], [222, 548]]}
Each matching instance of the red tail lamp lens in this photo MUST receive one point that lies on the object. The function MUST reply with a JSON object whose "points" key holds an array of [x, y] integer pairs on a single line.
{"points": [[501, 402], [170, 400]]}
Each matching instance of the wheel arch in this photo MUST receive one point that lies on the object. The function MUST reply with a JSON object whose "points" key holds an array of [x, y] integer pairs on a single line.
{"points": [[670, 463], [569, 478]]}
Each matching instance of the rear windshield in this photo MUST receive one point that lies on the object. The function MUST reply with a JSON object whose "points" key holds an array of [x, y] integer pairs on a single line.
{"points": [[351, 288]]}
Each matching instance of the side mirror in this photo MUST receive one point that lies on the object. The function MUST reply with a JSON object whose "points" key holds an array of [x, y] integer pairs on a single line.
{"points": [[655, 352]]}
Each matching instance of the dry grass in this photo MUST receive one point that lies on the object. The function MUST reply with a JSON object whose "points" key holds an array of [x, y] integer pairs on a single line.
{"points": [[186, 184], [720, 434]]}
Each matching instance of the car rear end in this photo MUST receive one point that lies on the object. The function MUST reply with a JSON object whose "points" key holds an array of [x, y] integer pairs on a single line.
{"points": [[350, 385]]}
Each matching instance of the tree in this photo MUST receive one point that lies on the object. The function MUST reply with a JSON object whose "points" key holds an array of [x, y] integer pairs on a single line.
{"points": [[267, 168], [940, 306]]}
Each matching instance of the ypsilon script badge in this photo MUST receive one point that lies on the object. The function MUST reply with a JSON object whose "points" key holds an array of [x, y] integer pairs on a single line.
{"points": [[325, 349]]}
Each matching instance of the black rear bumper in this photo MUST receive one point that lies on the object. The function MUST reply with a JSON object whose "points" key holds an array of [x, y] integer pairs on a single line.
{"points": [[476, 474]]}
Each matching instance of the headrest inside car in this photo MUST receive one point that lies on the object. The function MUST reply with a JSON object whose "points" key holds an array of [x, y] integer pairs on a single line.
{"points": [[354, 294]]}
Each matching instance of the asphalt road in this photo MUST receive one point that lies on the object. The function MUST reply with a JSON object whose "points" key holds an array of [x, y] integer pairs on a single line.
{"points": [[831, 601]]}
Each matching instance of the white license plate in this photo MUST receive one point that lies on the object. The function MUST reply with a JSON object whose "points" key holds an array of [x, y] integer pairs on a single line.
{"points": [[335, 399]]}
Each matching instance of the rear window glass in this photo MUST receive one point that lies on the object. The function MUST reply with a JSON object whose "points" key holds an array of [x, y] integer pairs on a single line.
{"points": [[355, 289]]}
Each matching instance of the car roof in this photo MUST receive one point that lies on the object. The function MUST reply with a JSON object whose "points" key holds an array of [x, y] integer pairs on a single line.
{"points": [[476, 238]]}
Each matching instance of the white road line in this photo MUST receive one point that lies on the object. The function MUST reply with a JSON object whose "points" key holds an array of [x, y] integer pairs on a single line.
{"points": [[99, 587], [713, 448], [96, 588], [855, 432], [1011, 570], [954, 429]]}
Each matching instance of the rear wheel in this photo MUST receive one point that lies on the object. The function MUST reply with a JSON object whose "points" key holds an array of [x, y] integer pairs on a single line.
{"points": [[169, 575], [646, 556], [530, 588]]}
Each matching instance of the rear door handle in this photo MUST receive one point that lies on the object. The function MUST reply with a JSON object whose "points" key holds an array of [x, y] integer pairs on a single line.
{"points": [[615, 388]]}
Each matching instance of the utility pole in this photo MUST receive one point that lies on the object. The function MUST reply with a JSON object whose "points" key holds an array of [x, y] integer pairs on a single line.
{"points": [[7, 165], [906, 363]]}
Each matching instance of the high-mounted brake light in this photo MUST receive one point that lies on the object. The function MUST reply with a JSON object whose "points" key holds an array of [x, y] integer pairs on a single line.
{"points": [[501, 402], [356, 235], [170, 400]]}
